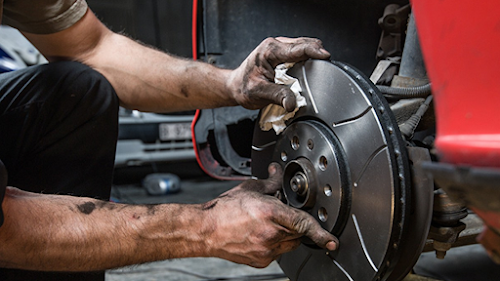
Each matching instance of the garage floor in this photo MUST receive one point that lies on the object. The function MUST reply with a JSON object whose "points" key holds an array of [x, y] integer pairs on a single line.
{"points": [[468, 263]]}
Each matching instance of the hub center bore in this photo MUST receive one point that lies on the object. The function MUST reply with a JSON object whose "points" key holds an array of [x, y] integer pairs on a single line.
{"points": [[299, 182]]}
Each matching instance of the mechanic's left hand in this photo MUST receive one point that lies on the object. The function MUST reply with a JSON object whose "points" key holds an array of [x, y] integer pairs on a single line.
{"points": [[252, 83], [247, 226]]}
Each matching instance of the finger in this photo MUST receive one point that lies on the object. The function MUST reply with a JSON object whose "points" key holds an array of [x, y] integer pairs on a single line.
{"points": [[318, 235], [268, 186], [275, 178], [305, 224], [294, 50], [281, 95]]}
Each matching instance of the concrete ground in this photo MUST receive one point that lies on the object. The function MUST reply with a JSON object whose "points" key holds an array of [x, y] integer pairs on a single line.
{"points": [[468, 263]]}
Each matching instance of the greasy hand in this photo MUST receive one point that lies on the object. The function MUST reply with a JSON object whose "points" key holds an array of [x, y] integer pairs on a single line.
{"points": [[254, 228], [252, 83]]}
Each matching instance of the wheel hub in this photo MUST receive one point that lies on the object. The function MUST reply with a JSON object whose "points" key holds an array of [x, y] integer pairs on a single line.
{"points": [[313, 175]]}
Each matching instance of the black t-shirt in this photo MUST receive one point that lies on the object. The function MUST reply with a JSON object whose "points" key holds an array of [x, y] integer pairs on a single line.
{"points": [[3, 185]]}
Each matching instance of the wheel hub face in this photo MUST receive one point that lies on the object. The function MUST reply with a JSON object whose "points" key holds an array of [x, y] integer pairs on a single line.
{"points": [[313, 174], [344, 163]]}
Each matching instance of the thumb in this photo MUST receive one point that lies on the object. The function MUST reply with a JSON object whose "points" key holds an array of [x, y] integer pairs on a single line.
{"points": [[304, 224], [281, 95], [289, 101], [268, 186], [321, 237]]}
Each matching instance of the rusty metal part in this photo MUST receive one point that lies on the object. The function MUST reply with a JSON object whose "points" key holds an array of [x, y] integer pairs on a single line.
{"points": [[444, 236], [447, 212], [393, 24], [473, 227], [479, 189], [446, 224], [385, 70], [405, 82]]}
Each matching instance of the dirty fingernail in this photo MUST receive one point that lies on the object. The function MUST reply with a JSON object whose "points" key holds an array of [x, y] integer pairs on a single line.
{"points": [[272, 169], [332, 246]]}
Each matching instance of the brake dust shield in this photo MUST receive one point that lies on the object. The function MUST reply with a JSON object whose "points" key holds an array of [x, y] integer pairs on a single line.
{"points": [[344, 163]]}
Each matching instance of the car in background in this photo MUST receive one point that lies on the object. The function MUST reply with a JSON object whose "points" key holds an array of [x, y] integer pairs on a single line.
{"points": [[145, 138]]}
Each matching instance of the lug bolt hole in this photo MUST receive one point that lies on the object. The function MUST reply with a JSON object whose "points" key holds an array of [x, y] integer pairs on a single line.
{"points": [[323, 163], [322, 214], [295, 142], [284, 157], [328, 190], [310, 144]]}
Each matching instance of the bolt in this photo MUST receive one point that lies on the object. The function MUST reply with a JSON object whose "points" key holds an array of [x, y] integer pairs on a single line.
{"points": [[298, 183], [441, 249], [440, 254]]}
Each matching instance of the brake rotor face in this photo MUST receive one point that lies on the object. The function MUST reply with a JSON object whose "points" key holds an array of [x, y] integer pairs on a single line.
{"points": [[345, 163]]}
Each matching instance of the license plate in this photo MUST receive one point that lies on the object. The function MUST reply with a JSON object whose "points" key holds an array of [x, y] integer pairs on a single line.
{"points": [[178, 131]]}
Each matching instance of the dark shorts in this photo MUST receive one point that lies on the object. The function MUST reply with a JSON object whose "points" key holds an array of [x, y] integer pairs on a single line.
{"points": [[58, 132]]}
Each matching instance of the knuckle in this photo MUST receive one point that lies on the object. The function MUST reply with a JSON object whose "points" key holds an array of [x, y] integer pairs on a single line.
{"points": [[269, 40], [266, 212], [300, 223]]}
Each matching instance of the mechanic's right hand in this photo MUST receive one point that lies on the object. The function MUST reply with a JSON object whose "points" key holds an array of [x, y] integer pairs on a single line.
{"points": [[252, 83], [252, 227]]}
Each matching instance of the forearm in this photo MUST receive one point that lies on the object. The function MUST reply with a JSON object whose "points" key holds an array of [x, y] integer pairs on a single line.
{"points": [[53, 232], [150, 80]]}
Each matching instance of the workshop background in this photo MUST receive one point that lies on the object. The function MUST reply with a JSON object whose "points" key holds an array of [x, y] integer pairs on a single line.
{"points": [[161, 143]]}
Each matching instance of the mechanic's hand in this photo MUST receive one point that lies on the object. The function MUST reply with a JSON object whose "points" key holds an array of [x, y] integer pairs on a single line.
{"points": [[253, 228], [252, 83]]}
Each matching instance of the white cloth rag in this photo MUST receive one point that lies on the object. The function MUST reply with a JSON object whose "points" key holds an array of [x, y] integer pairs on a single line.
{"points": [[274, 116]]}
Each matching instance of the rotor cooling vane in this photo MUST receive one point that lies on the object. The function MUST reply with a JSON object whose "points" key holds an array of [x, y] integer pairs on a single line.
{"points": [[345, 163]]}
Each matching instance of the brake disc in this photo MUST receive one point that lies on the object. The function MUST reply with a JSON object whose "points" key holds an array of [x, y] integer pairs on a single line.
{"points": [[345, 163]]}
